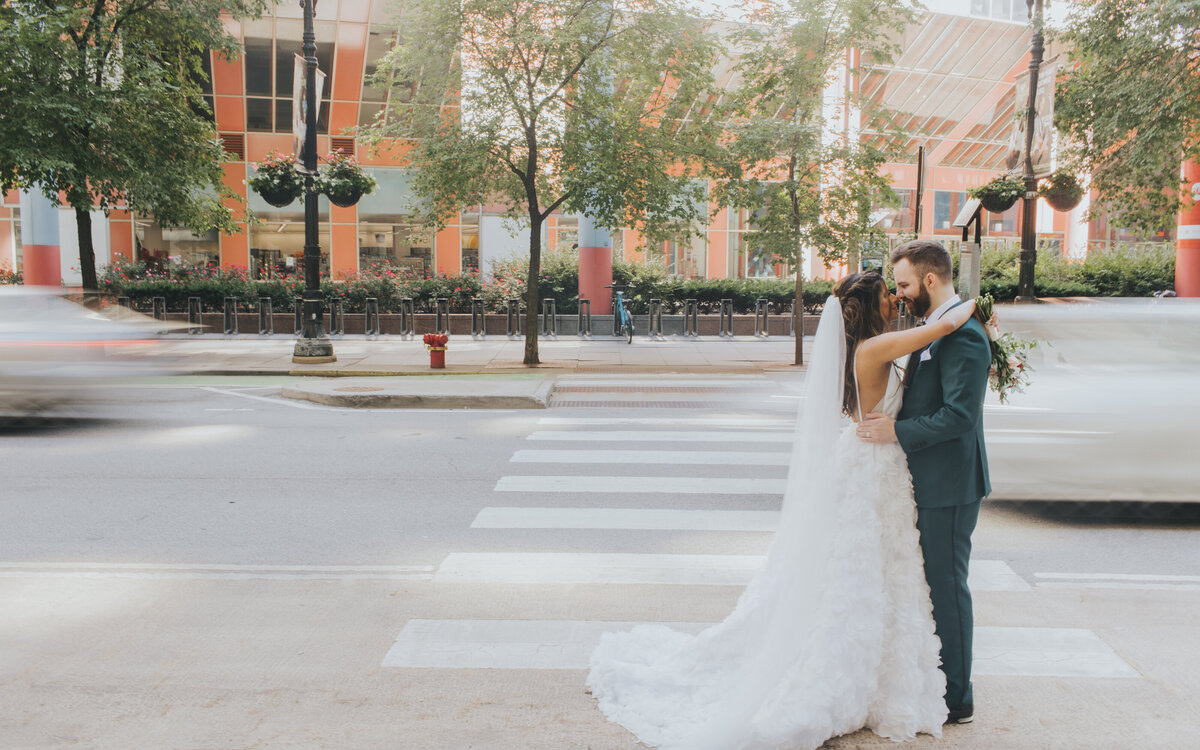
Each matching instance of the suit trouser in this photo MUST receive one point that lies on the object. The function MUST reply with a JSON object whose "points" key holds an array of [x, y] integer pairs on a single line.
{"points": [[946, 546]]}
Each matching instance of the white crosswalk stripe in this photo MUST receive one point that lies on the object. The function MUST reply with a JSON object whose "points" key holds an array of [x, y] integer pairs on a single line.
{"points": [[568, 644], [702, 458], [661, 436], [624, 484], [649, 569], [626, 518]]}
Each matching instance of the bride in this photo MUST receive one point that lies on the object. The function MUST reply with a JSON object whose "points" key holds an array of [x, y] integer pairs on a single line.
{"points": [[835, 632]]}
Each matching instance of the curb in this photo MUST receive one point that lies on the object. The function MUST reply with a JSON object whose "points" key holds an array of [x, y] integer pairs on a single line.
{"points": [[538, 399]]}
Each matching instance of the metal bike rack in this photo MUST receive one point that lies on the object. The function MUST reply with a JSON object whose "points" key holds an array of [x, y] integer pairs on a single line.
{"points": [[441, 306], [124, 302], [194, 324], [549, 317], [158, 308], [266, 316], [585, 318], [299, 315], [408, 317], [691, 317], [230, 315], [656, 317], [477, 320], [761, 308], [371, 317], [337, 321], [726, 317], [513, 317]]}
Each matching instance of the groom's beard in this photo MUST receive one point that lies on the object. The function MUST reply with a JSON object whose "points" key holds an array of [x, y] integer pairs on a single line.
{"points": [[921, 305]]}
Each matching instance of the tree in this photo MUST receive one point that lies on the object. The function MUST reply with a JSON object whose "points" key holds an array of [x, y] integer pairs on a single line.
{"points": [[101, 102], [810, 184], [542, 104], [1130, 104]]}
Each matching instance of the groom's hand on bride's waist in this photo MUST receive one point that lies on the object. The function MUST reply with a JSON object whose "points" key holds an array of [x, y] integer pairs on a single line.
{"points": [[877, 428]]}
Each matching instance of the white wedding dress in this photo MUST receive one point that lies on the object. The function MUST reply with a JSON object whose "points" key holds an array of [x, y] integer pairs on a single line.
{"points": [[833, 634]]}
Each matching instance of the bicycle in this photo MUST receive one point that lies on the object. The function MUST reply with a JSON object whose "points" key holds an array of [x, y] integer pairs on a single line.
{"points": [[622, 320]]}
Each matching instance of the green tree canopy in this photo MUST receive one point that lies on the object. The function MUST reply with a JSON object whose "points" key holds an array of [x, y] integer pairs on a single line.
{"points": [[101, 101], [1130, 103], [810, 183], [542, 104]]}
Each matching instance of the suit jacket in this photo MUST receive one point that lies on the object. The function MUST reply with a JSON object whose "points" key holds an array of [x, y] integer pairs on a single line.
{"points": [[940, 425]]}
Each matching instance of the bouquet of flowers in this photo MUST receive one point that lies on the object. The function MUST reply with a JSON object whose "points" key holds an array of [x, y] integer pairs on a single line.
{"points": [[1010, 354], [436, 341]]}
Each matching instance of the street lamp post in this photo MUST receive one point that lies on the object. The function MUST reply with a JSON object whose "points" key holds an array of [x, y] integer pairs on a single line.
{"points": [[313, 346], [1028, 255]]}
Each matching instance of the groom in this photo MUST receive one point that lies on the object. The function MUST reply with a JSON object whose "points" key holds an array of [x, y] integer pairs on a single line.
{"points": [[940, 428]]}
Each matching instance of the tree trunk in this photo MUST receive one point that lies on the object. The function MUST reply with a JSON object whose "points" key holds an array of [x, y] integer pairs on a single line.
{"points": [[799, 314], [793, 195], [532, 303], [87, 254]]}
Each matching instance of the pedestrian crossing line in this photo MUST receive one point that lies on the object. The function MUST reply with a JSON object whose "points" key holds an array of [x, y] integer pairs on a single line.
{"points": [[222, 572], [1131, 581], [625, 484], [764, 421], [661, 436], [728, 381], [650, 569], [658, 519], [568, 644], [702, 458]]}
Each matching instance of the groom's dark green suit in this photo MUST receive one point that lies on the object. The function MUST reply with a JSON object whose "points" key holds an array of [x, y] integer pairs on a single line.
{"points": [[940, 428]]}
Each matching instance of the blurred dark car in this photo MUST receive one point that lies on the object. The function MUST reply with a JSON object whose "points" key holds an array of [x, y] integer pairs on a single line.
{"points": [[55, 353]]}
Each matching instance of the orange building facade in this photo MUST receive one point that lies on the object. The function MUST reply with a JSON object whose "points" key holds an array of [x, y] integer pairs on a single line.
{"points": [[953, 86]]}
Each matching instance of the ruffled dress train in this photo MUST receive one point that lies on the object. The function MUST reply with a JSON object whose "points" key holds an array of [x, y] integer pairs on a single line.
{"points": [[842, 642]]}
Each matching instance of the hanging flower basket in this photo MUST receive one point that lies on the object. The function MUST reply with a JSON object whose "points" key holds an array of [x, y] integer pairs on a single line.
{"points": [[1061, 190], [277, 180], [342, 180], [1000, 194]]}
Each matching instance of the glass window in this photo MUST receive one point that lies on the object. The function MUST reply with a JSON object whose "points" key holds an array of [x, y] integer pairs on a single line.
{"points": [[277, 247], [258, 114], [946, 205], [469, 242], [396, 242], [257, 57]]}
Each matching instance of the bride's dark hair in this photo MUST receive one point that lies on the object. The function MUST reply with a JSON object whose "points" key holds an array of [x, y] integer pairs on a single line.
{"points": [[863, 318]]}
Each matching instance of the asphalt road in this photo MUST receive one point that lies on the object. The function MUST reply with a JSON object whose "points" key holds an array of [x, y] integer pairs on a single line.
{"points": [[201, 564]]}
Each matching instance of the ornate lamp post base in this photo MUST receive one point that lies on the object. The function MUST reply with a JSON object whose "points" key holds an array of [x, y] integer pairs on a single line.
{"points": [[313, 352], [313, 347]]}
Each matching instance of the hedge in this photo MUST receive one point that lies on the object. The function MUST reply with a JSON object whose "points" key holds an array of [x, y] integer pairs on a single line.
{"points": [[1120, 272]]}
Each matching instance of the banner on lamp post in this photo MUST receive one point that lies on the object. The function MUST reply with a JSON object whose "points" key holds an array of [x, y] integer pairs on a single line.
{"points": [[1043, 122], [300, 105]]}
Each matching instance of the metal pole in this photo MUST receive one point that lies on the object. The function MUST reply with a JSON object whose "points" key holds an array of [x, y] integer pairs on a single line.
{"points": [[585, 317], [1028, 255], [313, 346]]}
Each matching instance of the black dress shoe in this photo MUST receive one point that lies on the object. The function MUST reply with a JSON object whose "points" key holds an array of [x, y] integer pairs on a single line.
{"points": [[964, 715]]}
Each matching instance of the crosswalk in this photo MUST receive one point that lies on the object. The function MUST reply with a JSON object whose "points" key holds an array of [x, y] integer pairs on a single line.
{"points": [[730, 454]]}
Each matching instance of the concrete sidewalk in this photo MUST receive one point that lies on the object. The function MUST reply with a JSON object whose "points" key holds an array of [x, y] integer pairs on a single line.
{"points": [[392, 372], [358, 356]]}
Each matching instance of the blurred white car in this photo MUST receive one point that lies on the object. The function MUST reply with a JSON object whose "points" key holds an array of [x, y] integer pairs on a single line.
{"points": [[55, 352], [1113, 409]]}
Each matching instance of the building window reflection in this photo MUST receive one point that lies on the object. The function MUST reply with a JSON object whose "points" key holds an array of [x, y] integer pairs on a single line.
{"points": [[155, 243], [277, 247], [269, 66], [469, 242], [394, 241]]}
